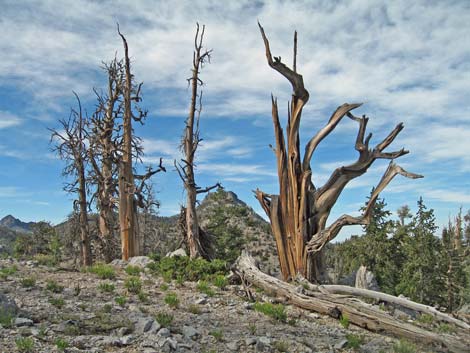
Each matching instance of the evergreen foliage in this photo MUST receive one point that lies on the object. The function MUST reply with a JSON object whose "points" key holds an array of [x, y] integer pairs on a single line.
{"points": [[408, 258]]}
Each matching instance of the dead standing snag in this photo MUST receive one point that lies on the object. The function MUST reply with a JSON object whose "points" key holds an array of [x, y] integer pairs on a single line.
{"points": [[299, 214]]}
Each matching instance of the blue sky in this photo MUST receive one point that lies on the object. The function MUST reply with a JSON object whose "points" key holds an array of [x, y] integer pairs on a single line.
{"points": [[407, 61]]}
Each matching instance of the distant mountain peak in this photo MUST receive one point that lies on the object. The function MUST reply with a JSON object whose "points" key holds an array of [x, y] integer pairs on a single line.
{"points": [[15, 224]]}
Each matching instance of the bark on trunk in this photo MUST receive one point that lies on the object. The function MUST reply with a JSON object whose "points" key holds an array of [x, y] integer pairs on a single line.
{"points": [[299, 214], [358, 313], [197, 240], [126, 174], [85, 249]]}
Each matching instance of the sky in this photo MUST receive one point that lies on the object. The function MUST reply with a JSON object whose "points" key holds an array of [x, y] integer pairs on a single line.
{"points": [[406, 61]]}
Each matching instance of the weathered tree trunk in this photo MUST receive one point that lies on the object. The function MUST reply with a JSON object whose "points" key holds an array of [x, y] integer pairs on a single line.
{"points": [[103, 155], [299, 214], [72, 148], [197, 245], [85, 248], [126, 174], [357, 312]]}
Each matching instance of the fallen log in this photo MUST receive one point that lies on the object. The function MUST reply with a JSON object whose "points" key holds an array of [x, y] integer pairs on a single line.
{"points": [[367, 293], [334, 305]]}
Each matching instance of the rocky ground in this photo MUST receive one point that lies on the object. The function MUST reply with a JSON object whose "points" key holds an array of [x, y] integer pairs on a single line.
{"points": [[66, 310]]}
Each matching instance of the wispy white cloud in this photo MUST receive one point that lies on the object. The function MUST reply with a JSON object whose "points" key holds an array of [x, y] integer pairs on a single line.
{"points": [[8, 119], [235, 170]]}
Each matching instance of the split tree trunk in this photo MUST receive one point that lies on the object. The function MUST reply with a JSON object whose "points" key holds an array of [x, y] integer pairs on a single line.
{"points": [[299, 214], [127, 216], [358, 313]]}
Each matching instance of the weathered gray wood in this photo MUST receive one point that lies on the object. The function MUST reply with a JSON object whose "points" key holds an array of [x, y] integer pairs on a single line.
{"points": [[358, 313], [366, 293]]}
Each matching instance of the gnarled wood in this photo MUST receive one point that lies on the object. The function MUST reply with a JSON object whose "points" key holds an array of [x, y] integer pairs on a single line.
{"points": [[299, 214], [358, 313]]}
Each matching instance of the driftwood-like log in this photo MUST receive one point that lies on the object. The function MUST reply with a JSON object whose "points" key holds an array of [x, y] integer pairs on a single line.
{"points": [[405, 303], [358, 312]]}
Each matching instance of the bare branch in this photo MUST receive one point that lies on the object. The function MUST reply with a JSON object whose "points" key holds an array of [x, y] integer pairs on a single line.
{"points": [[319, 240]]}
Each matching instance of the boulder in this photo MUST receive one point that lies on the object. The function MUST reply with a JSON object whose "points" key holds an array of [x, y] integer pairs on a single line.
{"points": [[8, 305], [140, 261], [177, 252]]}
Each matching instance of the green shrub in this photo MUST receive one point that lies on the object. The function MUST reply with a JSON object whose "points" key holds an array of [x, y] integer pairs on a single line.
{"points": [[133, 284], [425, 319], [164, 287], [281, 346], [103, 271], [61, 344], [164, 319], [107, 308], [194, 309], [204, 287], [171, 299], [217, 334], [445, 328], [8, 271], [106, 287], [24, 344], [143, 297], [54, 287], [46, 259], [28, 282], [276, 311], [181, 268], [354, 341], [6, 318], [404, 346], [220, 281], [57, 302], [133, 270], [344, 320], [121, 301]]}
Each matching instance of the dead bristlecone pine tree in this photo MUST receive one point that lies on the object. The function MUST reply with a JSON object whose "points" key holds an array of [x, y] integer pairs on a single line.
{"points": [[197, 240], [299, 214]]}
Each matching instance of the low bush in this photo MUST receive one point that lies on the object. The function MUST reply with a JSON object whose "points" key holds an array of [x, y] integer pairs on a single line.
{"points": [[133, 270], [171, 299], [276, 311], [164, 319], [133, 285], [185, 269], [103, 271]]}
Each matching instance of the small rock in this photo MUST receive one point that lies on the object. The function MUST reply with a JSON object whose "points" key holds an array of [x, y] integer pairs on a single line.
{"points": [[126, 340], [122, 331], [172, 343], [190, 332], [341, 344], [144, 325], [20, 321], [265, 340], [164, 332], [250, 341], [178, 252], [119, 263], [233, 346], [201, 301]]}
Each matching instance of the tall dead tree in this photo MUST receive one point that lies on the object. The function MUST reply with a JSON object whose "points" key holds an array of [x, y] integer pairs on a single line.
{"points": [[70, 146], [299, 214], [130, 195], [103, 153], [196, 239]]}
